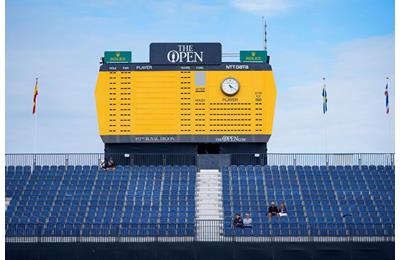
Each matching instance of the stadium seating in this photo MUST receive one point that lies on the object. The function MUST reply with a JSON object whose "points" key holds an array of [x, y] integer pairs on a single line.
{"points": [[160, 200], [86, 200], [334, 200]]}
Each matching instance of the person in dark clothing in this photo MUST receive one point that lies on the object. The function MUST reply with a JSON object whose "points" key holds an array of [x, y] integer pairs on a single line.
{"points": [[108, 164], [111, 164], [272, 210], [238, 221]]}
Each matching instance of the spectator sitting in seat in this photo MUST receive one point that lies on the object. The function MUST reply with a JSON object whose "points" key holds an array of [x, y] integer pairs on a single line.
{"points": [[283, 210], [109, 164], [272, 210], [237, 221], [247, 221]]}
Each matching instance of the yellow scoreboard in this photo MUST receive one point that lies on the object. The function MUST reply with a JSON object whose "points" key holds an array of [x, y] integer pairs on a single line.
{"points": [[185, 95]]}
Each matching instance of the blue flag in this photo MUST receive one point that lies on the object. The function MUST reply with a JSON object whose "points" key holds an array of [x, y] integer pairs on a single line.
{"points": [[324, 100]]}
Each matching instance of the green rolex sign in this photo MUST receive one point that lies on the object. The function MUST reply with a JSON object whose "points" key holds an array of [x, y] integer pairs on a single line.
{"points": [[117, 56], [253, 56]]}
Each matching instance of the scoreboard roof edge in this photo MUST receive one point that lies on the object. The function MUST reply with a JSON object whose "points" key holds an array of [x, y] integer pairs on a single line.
{"points": [[185, 54]]}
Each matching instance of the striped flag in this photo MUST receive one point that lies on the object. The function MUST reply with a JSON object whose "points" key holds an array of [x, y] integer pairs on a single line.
{"points": [[387, 98], [35, 94], [324, 100]]}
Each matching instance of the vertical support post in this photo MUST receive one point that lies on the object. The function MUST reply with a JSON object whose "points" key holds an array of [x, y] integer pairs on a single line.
{"points": [[66, 161], [327, 160], [294, 161], [359, 161], [99, 162], [131, 162], [39, 233], [392, 160], [164, 160], [262, 159], [34, 161]]}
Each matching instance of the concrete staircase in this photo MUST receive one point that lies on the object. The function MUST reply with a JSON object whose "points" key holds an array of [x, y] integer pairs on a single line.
{"points": [[209, 211]]}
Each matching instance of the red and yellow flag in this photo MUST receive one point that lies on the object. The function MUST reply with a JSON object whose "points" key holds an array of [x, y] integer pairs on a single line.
{"points": [[35, 93]]}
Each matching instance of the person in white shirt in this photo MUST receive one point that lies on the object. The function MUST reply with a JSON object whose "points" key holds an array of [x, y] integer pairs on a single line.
{"points": [[283, 210], [247, 221]]}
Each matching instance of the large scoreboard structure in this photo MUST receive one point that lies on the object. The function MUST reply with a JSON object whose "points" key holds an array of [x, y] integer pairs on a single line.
{"points": [[185, 100]]}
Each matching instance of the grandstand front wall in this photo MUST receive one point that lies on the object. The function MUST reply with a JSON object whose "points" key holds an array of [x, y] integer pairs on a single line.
{"points": [[201, 250]]}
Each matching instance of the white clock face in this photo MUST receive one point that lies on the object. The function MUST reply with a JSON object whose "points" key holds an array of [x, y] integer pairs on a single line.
{"points": [[230, 86]]}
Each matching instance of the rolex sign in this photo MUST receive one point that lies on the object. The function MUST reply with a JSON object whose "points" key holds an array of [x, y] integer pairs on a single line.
{"points": [[185, 53]]}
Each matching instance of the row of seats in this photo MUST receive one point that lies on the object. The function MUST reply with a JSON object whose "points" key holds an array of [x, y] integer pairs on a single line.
{"points": [[104, 230], [280, 228]]}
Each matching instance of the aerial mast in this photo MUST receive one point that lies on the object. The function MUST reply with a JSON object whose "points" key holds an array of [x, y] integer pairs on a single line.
{"points": [[264, 25]]}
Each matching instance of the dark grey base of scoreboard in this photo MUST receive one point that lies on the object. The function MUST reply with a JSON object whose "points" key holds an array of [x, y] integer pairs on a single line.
{"points": [[204, 155], [184, 148]]}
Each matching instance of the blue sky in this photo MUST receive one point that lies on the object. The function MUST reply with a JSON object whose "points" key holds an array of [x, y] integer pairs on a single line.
{"points": [[351, 43]]}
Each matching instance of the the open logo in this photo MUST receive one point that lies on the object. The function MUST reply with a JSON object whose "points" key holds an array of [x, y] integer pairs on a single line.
{"points": [[185, 54]]}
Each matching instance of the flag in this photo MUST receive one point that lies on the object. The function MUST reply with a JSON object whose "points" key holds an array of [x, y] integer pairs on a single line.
{"points": [[387, 99], [35, 94], [324, 100]]}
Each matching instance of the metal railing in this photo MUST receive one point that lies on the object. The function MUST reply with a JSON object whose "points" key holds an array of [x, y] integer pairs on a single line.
{"points": [[319, 159], [200, 230], [385, 159], [96, 159]]}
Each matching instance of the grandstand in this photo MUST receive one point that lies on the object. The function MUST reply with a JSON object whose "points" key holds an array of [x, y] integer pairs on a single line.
{"points": [[143, 203]]}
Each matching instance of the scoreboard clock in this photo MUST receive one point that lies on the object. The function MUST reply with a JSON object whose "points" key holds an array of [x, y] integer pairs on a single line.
{"points": [[230, 86]]}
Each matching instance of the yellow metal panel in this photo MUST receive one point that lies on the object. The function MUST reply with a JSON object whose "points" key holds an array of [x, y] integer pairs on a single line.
{"points": [[168, 102]]}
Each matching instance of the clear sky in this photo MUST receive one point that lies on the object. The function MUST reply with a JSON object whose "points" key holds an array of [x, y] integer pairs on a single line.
{"points": [[350, 42]]}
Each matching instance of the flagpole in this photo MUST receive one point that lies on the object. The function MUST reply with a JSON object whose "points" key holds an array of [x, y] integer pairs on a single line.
{"points": [[324, 121], [35, 134], [388, 114]]}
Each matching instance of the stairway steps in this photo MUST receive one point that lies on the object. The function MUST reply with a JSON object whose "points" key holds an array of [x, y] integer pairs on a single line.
{"points": [[209, 204]]}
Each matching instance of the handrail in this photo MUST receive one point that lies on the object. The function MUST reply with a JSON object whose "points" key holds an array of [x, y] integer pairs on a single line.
{"points": [[205, 230], [285, 159]]}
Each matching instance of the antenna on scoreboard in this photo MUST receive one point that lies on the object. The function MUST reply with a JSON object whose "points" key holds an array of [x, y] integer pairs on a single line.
{"points": [[264, 24]]}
